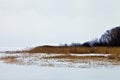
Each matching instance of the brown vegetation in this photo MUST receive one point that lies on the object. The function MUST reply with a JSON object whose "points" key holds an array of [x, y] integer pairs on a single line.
{"points": [[114, 51], [77, 50], [59, 59], [9, 59]]}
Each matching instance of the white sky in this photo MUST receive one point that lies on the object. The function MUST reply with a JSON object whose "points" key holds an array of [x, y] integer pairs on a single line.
{"points": [[36, 22]]}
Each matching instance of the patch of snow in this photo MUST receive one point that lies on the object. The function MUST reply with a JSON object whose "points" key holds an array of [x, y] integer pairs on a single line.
{"points": [[104, 55]]}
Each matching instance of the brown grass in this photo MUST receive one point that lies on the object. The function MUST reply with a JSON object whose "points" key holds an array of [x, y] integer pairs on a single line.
{"points": [[115, 51], [112, 59], [77, 50], [9, 59]]}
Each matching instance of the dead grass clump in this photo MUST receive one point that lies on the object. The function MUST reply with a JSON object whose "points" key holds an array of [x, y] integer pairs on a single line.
{"points": [[9, 59], [114, 56]]}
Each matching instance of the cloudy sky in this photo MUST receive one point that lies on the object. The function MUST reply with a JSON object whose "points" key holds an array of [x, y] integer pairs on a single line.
{"points": [[36, 22]]}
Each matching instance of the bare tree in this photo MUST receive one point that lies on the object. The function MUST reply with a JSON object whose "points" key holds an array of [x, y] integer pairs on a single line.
{"points": [[111, 37]]}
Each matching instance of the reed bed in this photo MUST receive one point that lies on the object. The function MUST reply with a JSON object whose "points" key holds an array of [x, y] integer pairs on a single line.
{"points": [[77, 50]]}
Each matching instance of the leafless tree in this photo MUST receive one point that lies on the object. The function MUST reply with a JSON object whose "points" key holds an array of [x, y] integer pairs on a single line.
{"points": [[111, 37]]}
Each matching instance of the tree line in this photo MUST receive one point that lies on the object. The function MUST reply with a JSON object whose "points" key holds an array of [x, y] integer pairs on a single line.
{"points": [[111, 38]]}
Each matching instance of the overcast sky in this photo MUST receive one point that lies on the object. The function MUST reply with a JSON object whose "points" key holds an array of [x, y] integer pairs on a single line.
{"points": [[37, 22]]}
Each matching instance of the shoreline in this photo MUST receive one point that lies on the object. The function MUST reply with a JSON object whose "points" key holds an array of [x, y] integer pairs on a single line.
{"points": [[77, 50], [113, 51]]}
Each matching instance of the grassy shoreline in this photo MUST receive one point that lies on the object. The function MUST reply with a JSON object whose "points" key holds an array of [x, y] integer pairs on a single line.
{"points": [[64, 54], [77, 50], [114, 51], [43, 59]]}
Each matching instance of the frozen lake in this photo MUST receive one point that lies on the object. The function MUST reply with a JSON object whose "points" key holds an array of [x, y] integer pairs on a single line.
{"points": [[33, 67], [23, 72]]}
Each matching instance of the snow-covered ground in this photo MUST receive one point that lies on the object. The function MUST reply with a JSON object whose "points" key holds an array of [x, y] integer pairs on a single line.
{"points": [[43, 59], [92, 54]]}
